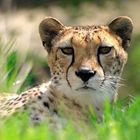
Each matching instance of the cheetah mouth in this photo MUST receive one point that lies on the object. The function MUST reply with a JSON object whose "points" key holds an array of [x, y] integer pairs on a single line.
{"points": [[85, 88]]}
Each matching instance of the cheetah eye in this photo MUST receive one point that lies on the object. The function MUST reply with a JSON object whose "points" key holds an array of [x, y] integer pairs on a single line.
{"points": [[104, 49], [67, 51]]}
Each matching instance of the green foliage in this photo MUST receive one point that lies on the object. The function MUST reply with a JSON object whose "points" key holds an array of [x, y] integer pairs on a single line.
{"points": [[13, 71], [133, 66]]}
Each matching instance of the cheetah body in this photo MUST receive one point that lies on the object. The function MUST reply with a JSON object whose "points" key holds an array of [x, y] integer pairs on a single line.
{"points": [[86, 63]]}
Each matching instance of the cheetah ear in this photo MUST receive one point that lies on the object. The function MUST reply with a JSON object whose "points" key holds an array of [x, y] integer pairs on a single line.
{"points": [[122, 26], [48, 29]]}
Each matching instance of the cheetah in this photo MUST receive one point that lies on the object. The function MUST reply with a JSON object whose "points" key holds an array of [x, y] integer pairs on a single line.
{"points": [[86, 63]]}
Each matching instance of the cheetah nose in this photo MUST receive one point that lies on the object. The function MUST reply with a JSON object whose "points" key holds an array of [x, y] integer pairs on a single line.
{"points": [[85, 74]]}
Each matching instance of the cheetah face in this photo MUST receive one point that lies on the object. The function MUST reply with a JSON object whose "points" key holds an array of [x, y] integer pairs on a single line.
{"points": [[86, 58]]}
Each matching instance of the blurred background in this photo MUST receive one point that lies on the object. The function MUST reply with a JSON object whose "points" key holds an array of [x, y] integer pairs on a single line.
{"points": [[19, 20]]}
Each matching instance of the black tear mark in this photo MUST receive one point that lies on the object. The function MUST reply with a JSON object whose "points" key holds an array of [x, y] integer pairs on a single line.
{"points": [[98, 58], [73, 59], [56, 55]]}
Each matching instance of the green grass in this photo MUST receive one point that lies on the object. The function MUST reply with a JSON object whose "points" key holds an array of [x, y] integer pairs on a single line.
{"points": [[13, 71], [119, 123]]}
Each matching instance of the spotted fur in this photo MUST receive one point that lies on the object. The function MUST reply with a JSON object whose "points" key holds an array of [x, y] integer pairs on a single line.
{"points": [[86, 63]]}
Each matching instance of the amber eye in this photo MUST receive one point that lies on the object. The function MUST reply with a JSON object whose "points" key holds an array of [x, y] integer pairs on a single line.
{"points": [[104, 50], [67, 51]]}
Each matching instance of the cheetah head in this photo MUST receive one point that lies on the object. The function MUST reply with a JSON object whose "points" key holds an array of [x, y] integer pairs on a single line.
{"points": [[86, 59]]}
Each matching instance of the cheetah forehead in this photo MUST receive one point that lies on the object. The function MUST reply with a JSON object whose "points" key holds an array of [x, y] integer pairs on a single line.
{"points": [[85, 35]]}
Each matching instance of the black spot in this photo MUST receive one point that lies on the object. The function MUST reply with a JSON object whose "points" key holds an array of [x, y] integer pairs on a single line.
{"points": [[15, 103], [119, 63], [51, 100], [55, 77], [29, 90], [34, 90], [19, 99], [33, 108], [37, 118], [25, 107], [41, 92], [95, 31], [56, 82], [23, 94], [55, 111], [33, 101], [76, 104], [36, 94], [97, 108], [16, 98], [116, 72], [52, 93], [23, 101], [39, 97], [40, 110], [10, 103], [46, 105], [65, 97], [76, 28]]}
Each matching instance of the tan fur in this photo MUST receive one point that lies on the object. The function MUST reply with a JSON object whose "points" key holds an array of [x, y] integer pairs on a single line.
{"points": [[69, 87]]}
